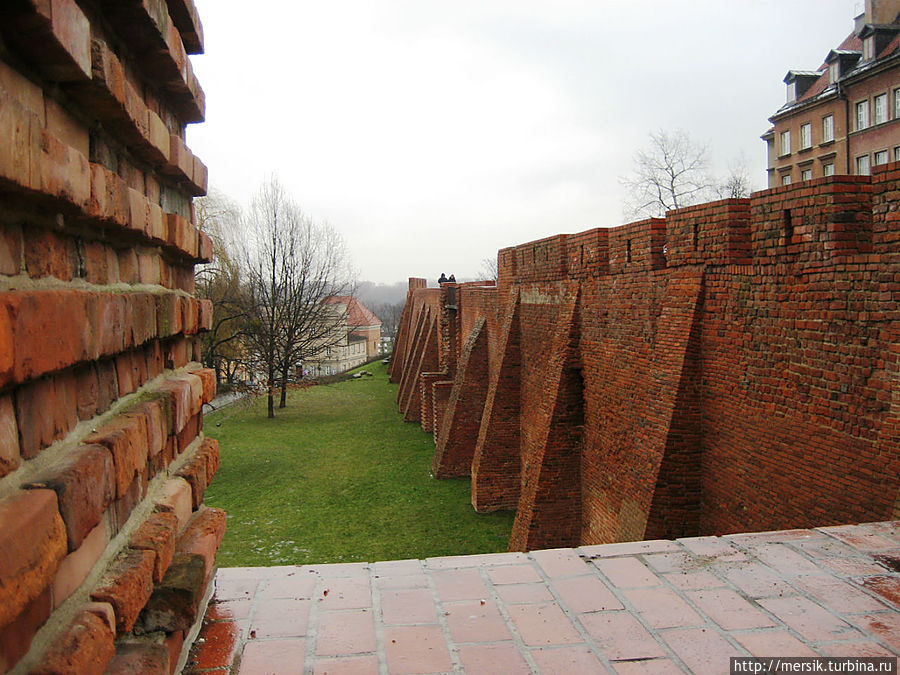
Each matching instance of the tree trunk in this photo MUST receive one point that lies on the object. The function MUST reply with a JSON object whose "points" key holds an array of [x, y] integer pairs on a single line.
{"points": [[284, 374]]}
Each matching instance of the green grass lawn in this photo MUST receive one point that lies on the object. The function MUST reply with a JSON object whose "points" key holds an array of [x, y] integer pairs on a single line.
{"points": [[338, 476]]}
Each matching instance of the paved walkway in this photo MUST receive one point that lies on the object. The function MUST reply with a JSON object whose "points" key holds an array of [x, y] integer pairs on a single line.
{"points": [[642, 607]]}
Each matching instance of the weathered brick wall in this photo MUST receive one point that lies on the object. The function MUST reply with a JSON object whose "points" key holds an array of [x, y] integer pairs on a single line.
{"points": [[731, 367], [106, 548]]}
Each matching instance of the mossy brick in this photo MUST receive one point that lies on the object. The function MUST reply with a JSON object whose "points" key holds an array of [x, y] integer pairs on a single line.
{"points": [[85, 647], [203, 535], [168, 314], [83, 481], [146, 658], [32, 545], [127, 584], [175, 602], [10, 459], [158, 533], [126, 438]]}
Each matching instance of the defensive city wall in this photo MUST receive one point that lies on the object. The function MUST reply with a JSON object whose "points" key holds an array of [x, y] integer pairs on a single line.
{"points": [[106, 549], [732, 367]]}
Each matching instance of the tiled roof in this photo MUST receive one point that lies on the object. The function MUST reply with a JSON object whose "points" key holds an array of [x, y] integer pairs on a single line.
{"points": [[357, 313]]}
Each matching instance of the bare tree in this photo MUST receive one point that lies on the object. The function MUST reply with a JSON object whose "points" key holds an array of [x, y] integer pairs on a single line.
{"points": [[294, 266], [737, 183], [389, 313], [221, 282], [670, 173], [488, 269], [319, 272]]}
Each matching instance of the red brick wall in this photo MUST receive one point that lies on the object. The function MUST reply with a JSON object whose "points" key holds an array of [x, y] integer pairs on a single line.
{"points": [[103, 462], [731, 367]]}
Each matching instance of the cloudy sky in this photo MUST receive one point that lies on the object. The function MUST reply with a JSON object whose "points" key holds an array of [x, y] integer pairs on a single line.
{"points": [[433, 133]]}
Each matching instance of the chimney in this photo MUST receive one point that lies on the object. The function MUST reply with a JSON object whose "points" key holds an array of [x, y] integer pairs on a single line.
{"points": [[882, 12]]}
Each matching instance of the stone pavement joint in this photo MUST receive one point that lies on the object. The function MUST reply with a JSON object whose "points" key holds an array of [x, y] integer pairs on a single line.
{"points": [[635, 607]]}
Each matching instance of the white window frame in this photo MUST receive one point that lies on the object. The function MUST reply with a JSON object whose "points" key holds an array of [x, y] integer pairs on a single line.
{"points": [[834, 72], [863, 166], [862, 115], [828, 169], [828, 128], [791, 92], [897, 104], [806, 174], [881, 109], [786, 179], [897, 154], [881, 157], [868, 50], [785, 148], [805, 136]]}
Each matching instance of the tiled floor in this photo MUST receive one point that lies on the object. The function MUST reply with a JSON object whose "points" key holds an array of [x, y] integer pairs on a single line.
{"points": [[642, 607]]}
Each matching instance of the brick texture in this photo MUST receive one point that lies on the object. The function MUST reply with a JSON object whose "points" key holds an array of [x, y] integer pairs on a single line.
{"points": [[99, 388], [732, 367]]}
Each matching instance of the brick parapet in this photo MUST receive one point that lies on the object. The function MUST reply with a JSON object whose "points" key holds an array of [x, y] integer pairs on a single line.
{"points": [[102, 453], [738, 364]]}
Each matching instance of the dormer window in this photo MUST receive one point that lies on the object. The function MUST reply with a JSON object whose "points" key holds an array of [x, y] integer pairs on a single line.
{"points": [[834, 72], [868, 52], [791, 92]]}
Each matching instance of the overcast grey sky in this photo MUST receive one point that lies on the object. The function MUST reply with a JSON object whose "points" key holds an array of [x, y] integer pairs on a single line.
{"points": [[431, 134]]}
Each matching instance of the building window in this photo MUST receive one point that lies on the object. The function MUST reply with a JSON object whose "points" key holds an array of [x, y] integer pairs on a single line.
{"points": [[786, 142], [881, 109], [897, 104], [897, 154], [786, 179], [834, 72], [862, 165], [828, 170], [806, 174], [881, 157], [791, 92], [828, 128], [805, 136], [868, 48], [862, 115]]}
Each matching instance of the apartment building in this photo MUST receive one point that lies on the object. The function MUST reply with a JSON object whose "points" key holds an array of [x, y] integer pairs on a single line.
{"points": [[844, 117]]}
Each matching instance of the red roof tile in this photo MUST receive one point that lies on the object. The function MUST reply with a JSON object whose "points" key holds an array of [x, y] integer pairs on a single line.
{"points": [[357, 313]]}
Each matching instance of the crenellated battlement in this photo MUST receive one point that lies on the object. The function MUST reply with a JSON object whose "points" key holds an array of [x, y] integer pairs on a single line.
{"points": [[730, 367]]}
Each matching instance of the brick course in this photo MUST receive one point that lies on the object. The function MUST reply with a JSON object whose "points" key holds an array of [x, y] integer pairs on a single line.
{"points": [[731, 367], [100, 397]]}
